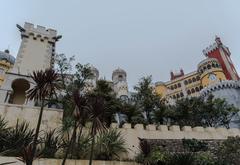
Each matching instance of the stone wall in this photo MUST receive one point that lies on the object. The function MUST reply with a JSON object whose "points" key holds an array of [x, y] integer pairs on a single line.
{"points": [[68, 162], [52, 119], [131, 135]]}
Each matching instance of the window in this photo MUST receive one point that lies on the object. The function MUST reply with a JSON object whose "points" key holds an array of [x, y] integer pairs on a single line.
{"points": [[190, 81], [181, 94], [1, 71], [179, 85], [209, 66], [185, 82], [188, 92], [175, 86], [194, 79], [193, 90], [197, 89], [198, 78]]}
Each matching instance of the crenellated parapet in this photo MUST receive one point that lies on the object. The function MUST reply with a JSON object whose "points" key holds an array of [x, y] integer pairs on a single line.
{"points": [[219, 86], [210, 49], [38, 33], [164, 132]]}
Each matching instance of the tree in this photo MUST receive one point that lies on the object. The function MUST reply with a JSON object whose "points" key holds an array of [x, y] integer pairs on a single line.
{"points": [[196, 111], [146, 98], [112, 105], [46, 84], [98, 124], [80, 115], [217, 112]]}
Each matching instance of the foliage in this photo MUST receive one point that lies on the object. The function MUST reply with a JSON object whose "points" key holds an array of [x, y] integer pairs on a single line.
{"points": [[109, 145], [229, 151], [185, 158], [16, 139], [196, 111], [133, 114], [146, 98], [51, 143], [204, 158], [194, 145]]}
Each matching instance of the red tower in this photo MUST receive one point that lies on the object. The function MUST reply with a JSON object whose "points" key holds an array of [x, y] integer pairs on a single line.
{"points": [[222, 54]]}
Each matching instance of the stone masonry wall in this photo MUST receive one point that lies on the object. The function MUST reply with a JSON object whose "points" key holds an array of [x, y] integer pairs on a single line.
{"points": [[52, 119]]}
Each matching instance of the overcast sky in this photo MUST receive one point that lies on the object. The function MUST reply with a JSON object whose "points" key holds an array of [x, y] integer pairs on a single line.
{"points": [[144, 37]]}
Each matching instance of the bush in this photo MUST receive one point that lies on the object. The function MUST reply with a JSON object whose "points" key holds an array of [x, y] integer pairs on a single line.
{"points": [[194, 145], [185, 158], [50, 144], [229, 151], [110, 145], [15, 139], [204, 158]]}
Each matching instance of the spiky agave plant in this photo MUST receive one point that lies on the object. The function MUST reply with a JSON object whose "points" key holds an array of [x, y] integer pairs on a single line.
{"points": [[46, 84]]}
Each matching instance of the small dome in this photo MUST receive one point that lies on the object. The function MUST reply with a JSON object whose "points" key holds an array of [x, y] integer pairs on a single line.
{"points": [[119, 70], [6, 56], [94, 71], [119, 73]]}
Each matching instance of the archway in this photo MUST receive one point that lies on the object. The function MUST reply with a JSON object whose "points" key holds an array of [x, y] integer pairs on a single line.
{"points": [[19, 86]]}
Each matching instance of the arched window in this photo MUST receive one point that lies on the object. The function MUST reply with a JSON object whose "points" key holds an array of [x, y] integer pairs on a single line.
{"points": [[185, 82], [181, 94], [179, 85], [194, 79], [188, 92], [197, 89], [190, 81], [209, 66], [192, 90], [175, 86], [19, 86]]}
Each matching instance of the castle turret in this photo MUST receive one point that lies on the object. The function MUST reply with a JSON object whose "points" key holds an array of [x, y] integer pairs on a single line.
{"points": [[120, 86], [222, 54], [37, 49], [6, 62], [210, 72]]}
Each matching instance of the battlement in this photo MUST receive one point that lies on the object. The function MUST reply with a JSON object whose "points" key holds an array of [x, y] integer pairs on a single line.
{"points": [[186, 131], [210, 49], [219, 86], [40, 30]]}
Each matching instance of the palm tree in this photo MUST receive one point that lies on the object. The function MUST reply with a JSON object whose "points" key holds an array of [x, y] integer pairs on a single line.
{"points": [[46, 84], [80, 116], [97, 110]]}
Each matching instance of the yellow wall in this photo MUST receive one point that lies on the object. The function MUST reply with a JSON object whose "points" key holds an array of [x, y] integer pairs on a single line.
{"points": [[5, 66], [161, 90], [205, 77]]}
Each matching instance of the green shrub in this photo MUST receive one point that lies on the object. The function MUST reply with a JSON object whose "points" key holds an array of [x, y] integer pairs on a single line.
{"points": [[204, 158], [185, 158], [194, 145], [110, 145], [229, 151]]}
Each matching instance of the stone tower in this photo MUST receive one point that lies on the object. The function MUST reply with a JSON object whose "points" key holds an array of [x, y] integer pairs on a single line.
{"points": [[120, 86], [37, 49]]}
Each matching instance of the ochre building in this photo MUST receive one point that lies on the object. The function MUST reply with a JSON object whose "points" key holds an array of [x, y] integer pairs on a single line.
{"points": [[217, 67]]}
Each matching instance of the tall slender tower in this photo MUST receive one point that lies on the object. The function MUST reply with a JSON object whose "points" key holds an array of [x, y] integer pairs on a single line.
{"points": [[37, 49], [222, 54]]}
